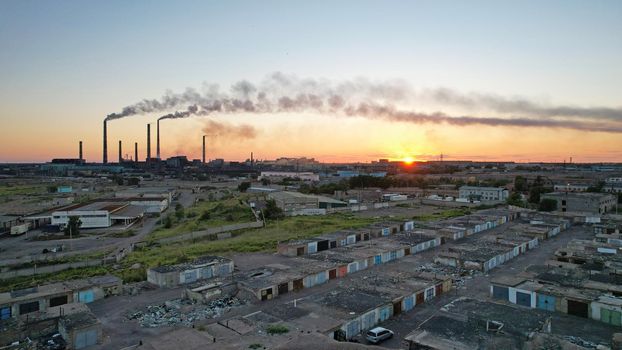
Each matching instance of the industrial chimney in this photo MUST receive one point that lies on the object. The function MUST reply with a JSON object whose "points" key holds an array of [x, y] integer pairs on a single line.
{"points": [[105, 156], [148, 142], [158, 139], [203, 149], [81, 150], [136, 151], [120, 153]]}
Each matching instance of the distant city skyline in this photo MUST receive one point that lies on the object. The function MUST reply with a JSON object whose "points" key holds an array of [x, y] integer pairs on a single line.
{"points": [[66, 65]]}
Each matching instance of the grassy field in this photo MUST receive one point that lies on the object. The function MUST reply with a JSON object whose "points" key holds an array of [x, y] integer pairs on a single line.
{"points": [[204, 215], [254, 240], [444, 214], [8, 191]]}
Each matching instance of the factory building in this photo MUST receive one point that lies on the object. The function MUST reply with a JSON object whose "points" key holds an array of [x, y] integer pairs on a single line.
{"points": [[278, 176], [594, 203], [483, 193], [103, 213], [295, 203]]}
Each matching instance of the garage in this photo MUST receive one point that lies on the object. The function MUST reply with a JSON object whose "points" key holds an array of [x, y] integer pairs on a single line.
{"points": [[499, 292], [283, 288], [5, 313], [27, 308], [322, 245], [577, 308], [298, 284], [86, 338], [546, 302], [60, 300], [523, 299]]}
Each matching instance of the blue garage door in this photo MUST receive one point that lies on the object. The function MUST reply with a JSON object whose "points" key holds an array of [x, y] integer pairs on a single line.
{"points": [[5, 313], [523, 299], [500, 293], [85, 296], [378, 260], [546, 302]]}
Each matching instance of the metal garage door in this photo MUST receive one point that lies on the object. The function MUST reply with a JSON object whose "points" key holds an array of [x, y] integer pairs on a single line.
{"points": [[85, 296], [523, 299], [86, 338], [610, 316], [577, 308], [28, 307], [5, 313], [59, 300], [546, 302], [500, 293]]}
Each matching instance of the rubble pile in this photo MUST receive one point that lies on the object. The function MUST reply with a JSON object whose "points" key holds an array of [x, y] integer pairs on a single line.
{"points": [[459, 276], [182, 312], [581, 342]]}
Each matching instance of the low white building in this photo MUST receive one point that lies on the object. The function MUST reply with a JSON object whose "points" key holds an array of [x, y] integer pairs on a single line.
{"points": [[614, 180], [484, 193], [570, 187], [95, 214], [280, 175]]}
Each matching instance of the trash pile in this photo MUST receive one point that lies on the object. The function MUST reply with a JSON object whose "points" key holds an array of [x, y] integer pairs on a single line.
{"points": [[581, 342], [182, 312], [459, 276]]}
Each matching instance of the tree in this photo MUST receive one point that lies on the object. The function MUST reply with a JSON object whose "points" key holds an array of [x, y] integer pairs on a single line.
{"points": [[167, 222], [520, 184], [265, 181], [179, 211], [272, 211], [515, 199], [73, 226], [133, 181], [244, 186], [547, 204]]}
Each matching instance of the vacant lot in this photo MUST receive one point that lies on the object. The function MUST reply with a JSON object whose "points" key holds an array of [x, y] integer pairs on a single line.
{"points": [[204, 215], [133, 267]]}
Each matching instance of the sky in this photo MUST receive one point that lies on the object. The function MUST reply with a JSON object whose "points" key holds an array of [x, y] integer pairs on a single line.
{"points": [[66, 65]]}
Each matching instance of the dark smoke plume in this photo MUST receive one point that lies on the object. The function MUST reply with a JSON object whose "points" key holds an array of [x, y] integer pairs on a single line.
{"points": [[280, 93], [214, 129]]}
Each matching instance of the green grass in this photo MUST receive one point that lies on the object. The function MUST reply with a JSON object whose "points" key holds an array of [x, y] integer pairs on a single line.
{"points": [[441, 215], [8, 191], [223, 212], [251, 240], [276, 329]]}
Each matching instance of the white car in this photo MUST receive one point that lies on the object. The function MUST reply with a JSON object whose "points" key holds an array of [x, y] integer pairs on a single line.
{"points": [[378, 334]]}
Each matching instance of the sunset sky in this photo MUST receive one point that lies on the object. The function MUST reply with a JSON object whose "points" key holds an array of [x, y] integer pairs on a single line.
{"points": [[66, 65]]}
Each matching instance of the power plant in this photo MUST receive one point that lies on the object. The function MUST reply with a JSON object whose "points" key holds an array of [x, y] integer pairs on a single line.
{"points": [[148, 142], [120, 153], [203, 149], [105, 156], [158, 139]]}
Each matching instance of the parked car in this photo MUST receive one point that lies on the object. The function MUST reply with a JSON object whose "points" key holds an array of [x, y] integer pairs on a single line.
{"points": [[378, 334]]}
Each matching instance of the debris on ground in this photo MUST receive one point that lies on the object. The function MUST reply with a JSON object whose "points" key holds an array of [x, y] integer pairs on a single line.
{"points": [[182, 312], [459, 276]]}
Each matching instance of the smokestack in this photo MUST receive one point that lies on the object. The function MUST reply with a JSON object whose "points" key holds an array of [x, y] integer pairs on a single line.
{"points": [[120, 153], [158, 140], [136, 151], [203, 149], [148, 142], [105, 156], [80, 150]]}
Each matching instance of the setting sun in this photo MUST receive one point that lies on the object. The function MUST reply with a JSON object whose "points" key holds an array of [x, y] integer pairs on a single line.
{"points": [[408, 160]]}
